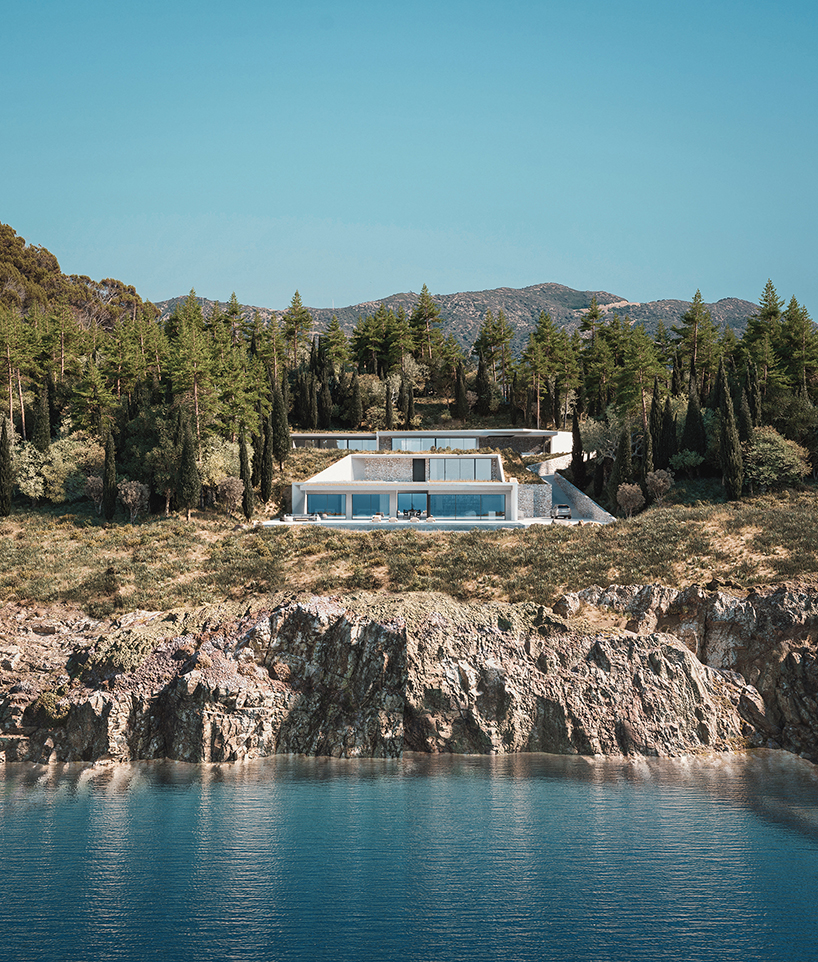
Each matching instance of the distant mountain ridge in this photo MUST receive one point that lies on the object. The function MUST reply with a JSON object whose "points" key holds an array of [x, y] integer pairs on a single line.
{"points": [[463, 313]]}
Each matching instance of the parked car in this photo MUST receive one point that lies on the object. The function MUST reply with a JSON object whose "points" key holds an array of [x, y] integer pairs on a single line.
{"points": [[560, 510]]}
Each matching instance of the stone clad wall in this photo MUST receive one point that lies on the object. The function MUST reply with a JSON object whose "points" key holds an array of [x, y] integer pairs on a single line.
{"points": [[534, 500], [390, 469]]}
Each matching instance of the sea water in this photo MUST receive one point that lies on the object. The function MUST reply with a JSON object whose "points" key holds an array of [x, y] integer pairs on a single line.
{"points": [[528, 857]]}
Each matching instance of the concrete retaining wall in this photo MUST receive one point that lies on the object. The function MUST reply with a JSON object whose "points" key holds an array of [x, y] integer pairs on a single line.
{"points": [[587, 507]]}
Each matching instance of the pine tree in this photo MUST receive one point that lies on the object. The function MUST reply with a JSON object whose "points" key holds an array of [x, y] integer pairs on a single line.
{"points": [[297, 322], [424, 322], [730, 451], [6, 477], [41, 435], [109, 490], [279, 431], [189, 485], [248, 498]]}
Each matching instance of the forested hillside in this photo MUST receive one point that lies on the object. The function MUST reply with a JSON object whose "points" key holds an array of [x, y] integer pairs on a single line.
{"points": [[465, 312], [103, 399]]}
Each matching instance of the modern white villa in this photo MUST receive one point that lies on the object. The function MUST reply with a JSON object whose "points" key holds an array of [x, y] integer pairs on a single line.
{"points": [[415, 482]]}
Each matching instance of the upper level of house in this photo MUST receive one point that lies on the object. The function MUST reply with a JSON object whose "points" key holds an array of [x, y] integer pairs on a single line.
{"points": [[522, 440]]}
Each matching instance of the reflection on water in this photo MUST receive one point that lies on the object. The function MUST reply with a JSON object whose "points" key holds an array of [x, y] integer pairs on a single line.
{"points": [[427, 857]]}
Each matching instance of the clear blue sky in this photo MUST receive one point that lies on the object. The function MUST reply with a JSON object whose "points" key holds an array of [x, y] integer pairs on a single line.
{"points": [[357, 149]]}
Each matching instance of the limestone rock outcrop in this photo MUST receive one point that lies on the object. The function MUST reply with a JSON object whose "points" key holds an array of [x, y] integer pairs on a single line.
{"points": [[367, 677], [768, 638]]}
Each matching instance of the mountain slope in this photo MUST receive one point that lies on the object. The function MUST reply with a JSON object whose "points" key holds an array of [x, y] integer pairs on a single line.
{"points": [[464, 312]]}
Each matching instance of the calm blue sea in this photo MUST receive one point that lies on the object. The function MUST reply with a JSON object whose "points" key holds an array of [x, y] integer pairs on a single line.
{"points": [[427, 858]]}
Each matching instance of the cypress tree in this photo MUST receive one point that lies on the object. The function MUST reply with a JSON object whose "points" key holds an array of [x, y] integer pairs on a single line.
{"points": [[285, 394], [622, 470], [483, 388], [655, 420], [745, 419], [667, 446], [189, 484], [390, 409], [248, 499], [677, 379], [356, 407], [325, 406], [266, 479], [312, 417], [461, 401], [257, 441], [577, 461], [6, 479], [754, 394], [109, 491], [647, 456], [279, 432], [694, 437], [720, 389], [41, 435], [403, 400], [732, 465], [410, 405]]}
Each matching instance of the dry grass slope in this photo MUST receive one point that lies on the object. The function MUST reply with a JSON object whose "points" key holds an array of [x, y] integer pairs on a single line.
{"points": [[48, 558]]}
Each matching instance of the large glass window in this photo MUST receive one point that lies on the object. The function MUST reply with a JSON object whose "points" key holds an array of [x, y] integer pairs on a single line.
{"points": [[331, 504], [411, 501], [365, 505], [362, 444], [460, 469], [467, 506], [426, 444], [456, 444]]}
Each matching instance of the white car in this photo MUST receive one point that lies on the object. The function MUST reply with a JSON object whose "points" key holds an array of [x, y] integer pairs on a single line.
{"points": [[561, 511]]}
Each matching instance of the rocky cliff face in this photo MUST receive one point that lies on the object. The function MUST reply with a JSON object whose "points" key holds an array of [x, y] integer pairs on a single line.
{"points": [[767, 638], [372, 678]]}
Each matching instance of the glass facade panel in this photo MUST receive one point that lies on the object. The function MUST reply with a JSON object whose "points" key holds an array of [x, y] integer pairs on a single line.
{"points": [[493, 505], [411, 501], [443, 505], [330, 504], [437, 469], [482, 469], [363, 444], [465, 506], [457, 444], [468, 505], [365, 505]]}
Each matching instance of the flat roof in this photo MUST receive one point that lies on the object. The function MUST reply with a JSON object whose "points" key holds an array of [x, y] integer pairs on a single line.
{"points": [[439, 432]]}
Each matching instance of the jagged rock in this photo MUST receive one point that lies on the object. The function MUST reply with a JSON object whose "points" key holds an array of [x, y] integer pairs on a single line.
{"points": [[375, 679], [769, 637]]}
